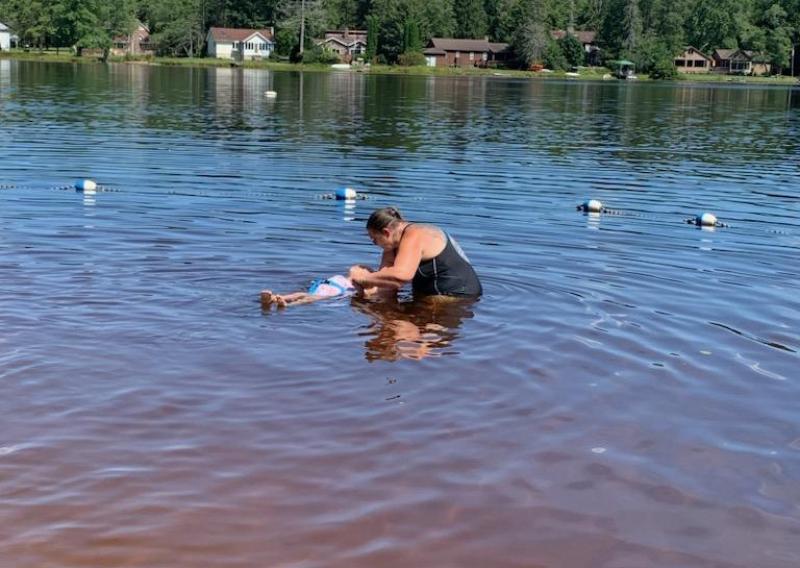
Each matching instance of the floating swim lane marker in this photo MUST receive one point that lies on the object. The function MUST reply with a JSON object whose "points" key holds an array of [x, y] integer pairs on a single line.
{"points": [[86, 185], [271, 94], [706, 220], [346, 193], [591, 206]]}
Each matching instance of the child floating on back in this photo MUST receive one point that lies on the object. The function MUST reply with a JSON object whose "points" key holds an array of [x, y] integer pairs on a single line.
{"points": [[321, 289]]}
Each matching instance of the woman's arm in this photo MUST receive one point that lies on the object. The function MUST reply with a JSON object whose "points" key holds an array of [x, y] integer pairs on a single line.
{"points": [[396, 271]]}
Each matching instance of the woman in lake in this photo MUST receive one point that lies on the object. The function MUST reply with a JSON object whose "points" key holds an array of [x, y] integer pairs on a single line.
{"points": [[418, 253]]}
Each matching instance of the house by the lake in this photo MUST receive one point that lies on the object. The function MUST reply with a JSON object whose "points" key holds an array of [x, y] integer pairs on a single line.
{"points": [[348, 44], [741, 62], [136, 43], [450, 52], [239, 44], [693, 60], [5, 37], [587, 39]]}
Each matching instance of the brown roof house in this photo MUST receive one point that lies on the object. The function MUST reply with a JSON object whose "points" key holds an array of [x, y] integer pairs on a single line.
{"points": [[449, 52], [240, 43], [136, 43], [741, 62], [693, 60], [348, 44], [587, 39]]}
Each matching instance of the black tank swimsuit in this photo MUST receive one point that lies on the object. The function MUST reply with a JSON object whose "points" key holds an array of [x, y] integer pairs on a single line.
{"points": [[447, 274]]}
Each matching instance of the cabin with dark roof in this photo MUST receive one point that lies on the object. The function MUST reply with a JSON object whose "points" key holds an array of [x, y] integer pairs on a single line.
{"points": [[347, 44], [451, 52], [135, 43], [741, 62]]}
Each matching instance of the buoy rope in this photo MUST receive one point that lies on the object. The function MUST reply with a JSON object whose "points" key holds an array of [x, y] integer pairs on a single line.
{"points": [[717, 224], [358, 197]]}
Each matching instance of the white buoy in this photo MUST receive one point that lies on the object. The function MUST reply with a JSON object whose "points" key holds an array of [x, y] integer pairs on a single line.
{"points": [[86, 185], [270, 94], [592, 206], [346, 193], [706, 220]]}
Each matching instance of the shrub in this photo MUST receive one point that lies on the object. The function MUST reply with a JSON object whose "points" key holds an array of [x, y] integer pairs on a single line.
{"points": [[318, 55], [411, 59], [664, 69], [572, 50], [553, 57]]}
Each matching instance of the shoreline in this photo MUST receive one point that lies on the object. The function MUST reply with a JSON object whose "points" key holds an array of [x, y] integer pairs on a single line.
{"points": [[591, 74]]}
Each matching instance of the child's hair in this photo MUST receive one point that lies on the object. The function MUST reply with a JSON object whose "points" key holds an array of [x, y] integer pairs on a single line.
{"points": [[382, 218]]}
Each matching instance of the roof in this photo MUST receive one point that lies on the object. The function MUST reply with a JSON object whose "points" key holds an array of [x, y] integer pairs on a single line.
{"points": [[583, 36], [340, 41], [724, 53], [697, 51], [4, 28], [347, 32], [498, 47], [230, 35], [451, 44]]}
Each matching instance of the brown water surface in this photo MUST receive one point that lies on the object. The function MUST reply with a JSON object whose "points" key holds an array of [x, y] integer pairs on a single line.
{"points": [[625, 393]]}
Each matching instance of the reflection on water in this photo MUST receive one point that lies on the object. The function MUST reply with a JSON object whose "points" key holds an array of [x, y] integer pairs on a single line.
{"points": [[413, 329]]}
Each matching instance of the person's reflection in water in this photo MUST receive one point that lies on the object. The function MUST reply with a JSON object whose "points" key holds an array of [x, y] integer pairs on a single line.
{"points": [[425, 327]]}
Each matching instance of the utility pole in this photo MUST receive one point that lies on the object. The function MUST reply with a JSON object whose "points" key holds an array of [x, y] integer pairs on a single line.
{"points": [[302, 24], [571, 27]]}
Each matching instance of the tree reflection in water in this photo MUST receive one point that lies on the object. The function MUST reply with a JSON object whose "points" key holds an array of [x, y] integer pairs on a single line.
{"points": [[417, 329]]}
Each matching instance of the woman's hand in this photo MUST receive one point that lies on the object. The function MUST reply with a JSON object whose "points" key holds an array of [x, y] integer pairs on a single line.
{"points": [[358, 274]]}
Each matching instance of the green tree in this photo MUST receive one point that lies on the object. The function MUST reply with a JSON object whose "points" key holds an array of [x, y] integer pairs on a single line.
{"points": [[531, 42], [372, 38], [391, 16], [632, 27], [715, 24], [572, 50], [471, 21], [412, 43], [553, 56]]}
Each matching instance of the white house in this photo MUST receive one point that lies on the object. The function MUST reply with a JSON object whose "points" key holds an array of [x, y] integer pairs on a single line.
{"points": [[240, 44], [5, 37]]}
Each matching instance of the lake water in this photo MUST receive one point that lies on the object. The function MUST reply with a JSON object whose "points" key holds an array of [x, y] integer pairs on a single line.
{"points": [[624, 395]]}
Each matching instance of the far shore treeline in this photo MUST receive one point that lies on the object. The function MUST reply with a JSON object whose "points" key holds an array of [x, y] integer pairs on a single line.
{"points": [[649, 32]]}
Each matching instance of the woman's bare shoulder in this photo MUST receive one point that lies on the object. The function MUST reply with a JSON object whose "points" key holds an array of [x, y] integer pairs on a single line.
{"points": [[425, 230]]}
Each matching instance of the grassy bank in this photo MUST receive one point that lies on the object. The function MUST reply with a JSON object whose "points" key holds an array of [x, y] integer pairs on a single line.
{"points": [[722, 78], [594, 73], [67, 57]]}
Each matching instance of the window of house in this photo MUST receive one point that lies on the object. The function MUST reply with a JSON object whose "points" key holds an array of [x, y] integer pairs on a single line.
{"points": [[472, 56], [700, 63], [457, 54], [680, 63]]}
